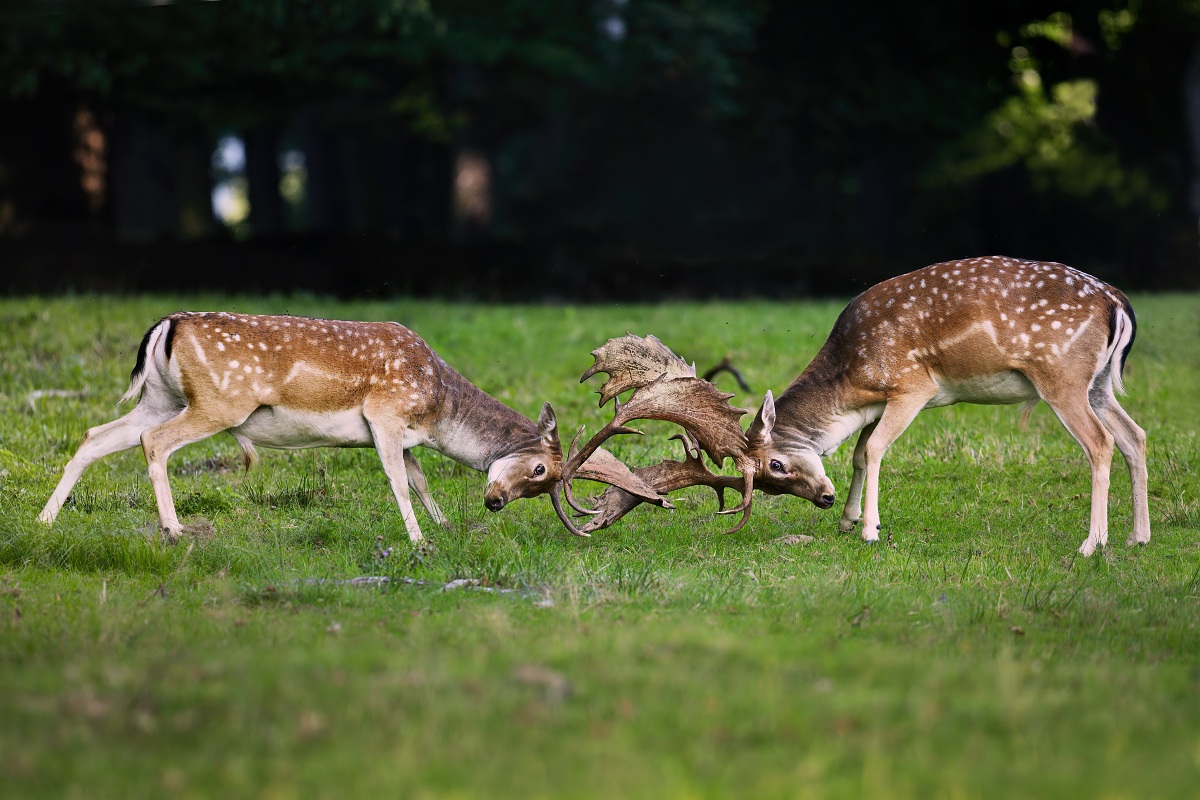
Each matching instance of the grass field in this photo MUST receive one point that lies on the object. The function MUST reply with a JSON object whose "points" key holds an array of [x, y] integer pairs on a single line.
{"points": [[973, 654]]}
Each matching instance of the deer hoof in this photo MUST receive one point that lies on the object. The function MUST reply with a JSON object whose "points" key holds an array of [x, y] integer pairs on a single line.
{"points": [[846, 525]]}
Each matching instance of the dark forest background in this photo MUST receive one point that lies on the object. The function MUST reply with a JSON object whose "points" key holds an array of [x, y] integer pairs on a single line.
{"points": [[591, 149]]}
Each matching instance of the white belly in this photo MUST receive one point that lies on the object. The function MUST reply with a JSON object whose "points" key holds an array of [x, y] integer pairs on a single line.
{"points": [[272, 426], [1002, 388]]}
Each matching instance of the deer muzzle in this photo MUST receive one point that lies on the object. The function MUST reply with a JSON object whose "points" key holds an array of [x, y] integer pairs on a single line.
{"points": [[494, 498]]}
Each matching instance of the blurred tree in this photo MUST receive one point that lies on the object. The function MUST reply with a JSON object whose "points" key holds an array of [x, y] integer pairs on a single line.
{"points": [[826, 144]]}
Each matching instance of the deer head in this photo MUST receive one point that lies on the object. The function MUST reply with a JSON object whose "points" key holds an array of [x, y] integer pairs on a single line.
{"points": [[527, 472], [786, 467]]}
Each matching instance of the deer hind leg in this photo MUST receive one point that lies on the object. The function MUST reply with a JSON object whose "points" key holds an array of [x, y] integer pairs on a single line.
{"points": [[898, 414], [852, 512], [416, 481], [161, 441], [98, 442], [387, 431], [1081, 421], [1131, 441]]}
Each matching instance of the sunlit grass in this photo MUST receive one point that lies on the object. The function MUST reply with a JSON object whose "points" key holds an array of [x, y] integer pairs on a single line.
{"points": [[972, 653]]}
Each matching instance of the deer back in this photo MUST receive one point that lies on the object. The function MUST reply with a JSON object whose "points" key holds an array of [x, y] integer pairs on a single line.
{"points": [[300, 363]]}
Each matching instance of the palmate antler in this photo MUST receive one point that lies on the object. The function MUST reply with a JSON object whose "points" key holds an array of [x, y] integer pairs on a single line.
{"points": [[665, 476], [664, 388], [604, 467]]}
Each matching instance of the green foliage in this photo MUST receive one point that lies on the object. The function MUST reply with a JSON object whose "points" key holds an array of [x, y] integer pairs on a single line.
{"points": [[257, 60], [1115, 23], [703, 129], [1050, 130], [972, 653]]}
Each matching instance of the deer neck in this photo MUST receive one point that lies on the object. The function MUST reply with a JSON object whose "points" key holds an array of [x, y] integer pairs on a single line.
{"points": [[476, 429], [822, 408]]}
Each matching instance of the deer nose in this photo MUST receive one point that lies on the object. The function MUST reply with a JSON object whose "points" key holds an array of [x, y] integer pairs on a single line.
{"points": [[493, 504], [827, 500]]}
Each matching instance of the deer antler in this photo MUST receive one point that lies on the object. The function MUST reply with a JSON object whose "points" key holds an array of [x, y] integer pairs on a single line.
{"points": [[633, 362], [665, 388], [665, 476], [602, 466]]}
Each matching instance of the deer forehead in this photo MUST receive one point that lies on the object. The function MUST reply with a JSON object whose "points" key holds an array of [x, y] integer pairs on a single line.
{"points": [[501, 466]]}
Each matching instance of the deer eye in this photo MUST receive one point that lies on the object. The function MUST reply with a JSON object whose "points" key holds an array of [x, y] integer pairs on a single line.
{"points": [[776, 465], [539, 470]]}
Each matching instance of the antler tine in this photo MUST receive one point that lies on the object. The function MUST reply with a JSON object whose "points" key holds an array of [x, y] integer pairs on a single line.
{"points": [[573, 464], [666, 476], [595, 463], [556, 501], [569, 494], [691, 447], [741, 522], [747, 466], [567, 491], [695, 462]]}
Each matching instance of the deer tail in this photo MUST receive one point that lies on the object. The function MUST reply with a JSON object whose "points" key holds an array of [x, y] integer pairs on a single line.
{"points": [[160, 333], [1122, 325]]}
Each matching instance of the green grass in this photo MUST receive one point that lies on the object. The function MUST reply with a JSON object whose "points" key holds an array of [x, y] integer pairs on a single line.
{"points": [[973, 654]]}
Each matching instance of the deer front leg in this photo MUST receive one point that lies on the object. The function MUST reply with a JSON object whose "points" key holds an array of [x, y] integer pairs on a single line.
{"points": [[898, 414], [388, 434], [852, 512], [417, 482]]}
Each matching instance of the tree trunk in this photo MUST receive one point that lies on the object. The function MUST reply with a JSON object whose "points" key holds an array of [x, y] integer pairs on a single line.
{"points": [[143, 181], [262, 175], [194, 187], [1191, 108]]}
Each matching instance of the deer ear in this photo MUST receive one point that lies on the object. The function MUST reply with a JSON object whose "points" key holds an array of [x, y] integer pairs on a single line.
{"points": [[760, 430], [547, 425]]}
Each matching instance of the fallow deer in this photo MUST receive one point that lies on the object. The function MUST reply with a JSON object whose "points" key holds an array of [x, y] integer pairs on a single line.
{"points": [[294, 382], [990, 330]]}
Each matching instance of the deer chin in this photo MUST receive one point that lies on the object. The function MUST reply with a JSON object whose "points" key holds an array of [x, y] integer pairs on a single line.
{"points": [[819, 492]]}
